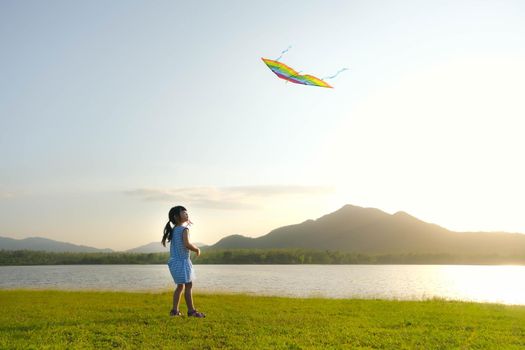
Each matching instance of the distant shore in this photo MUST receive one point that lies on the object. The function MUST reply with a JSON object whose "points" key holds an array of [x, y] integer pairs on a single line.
{"points": [[254, 256]]}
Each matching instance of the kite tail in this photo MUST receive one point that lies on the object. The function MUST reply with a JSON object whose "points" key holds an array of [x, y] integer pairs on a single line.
{"points": [[283, 52], [336, 74]]}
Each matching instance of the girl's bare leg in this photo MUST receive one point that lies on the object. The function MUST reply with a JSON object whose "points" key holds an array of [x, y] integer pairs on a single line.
{"points": [[176, 296], [188, 297]]}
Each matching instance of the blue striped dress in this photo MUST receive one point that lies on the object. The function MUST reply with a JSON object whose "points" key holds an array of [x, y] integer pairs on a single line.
{"points": [[179, 263]]}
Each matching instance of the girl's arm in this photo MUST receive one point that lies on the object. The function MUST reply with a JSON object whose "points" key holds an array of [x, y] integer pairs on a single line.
{"points": [[187, 243]]}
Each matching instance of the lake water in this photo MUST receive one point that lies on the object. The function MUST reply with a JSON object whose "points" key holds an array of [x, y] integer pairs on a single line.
{"points": [[501, 284]]}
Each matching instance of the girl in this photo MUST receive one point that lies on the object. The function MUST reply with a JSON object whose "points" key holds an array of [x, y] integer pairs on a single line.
{"points": [[179, 263]]}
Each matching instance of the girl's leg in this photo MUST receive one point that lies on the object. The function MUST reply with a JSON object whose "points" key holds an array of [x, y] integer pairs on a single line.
{"points": [[189, 302], [188, 296], [176, 296]]}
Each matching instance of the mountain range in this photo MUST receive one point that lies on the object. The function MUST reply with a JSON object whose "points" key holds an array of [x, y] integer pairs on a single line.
{"points": [[349, 229], [156, 247], [372, 231], [49, 245], [45, 244]]}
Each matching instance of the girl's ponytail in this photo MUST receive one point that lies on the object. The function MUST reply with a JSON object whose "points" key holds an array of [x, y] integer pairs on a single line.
{"points": [[174, 217], [167, 234]]}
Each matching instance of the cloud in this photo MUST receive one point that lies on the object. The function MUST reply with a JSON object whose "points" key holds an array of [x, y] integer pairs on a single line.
{"points": [[226, 198], [11, 194], [264, 191]]}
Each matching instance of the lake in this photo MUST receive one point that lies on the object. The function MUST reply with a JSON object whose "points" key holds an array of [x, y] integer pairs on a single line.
{"points": [[500, 284]]}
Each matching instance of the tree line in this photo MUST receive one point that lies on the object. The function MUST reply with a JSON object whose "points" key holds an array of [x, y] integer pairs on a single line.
{"points": [[32, 257], [251, 256], [302, 256]]}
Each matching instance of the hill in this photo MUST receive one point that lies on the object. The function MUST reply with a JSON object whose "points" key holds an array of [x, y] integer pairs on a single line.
{"points": [[153, 247], [156, 247], [44, 244], [372, 231]]}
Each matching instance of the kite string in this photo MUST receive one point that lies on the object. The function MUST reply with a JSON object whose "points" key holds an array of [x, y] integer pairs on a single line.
{"points": [[336, 74], [283, 52]]}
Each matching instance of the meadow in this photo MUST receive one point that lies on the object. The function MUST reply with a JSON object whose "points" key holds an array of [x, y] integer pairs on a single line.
{"points": [[73, 319]]}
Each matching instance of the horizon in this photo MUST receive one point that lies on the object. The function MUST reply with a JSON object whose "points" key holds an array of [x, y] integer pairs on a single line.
{"points": [[112, 113], [211, 244]]}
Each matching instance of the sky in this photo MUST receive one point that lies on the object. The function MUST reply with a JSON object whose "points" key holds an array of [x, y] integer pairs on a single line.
{"points": [[113, 112]]}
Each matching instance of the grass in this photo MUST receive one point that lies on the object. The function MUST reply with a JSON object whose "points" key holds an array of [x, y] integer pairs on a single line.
{"points": [[101, 320]]}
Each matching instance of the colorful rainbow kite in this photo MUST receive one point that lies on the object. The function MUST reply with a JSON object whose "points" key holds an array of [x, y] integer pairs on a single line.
{"points": [[289, 74]]}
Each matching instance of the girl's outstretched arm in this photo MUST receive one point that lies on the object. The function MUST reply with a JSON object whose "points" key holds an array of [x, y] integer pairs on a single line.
{"points": [[187, 244]]}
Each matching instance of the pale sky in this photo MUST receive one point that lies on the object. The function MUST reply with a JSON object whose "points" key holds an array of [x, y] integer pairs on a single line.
{"points": [[113, 112]]}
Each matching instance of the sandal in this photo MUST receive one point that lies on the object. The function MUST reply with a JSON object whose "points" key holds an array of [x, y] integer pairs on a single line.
{"points": [[195, 313], [175, 313]]}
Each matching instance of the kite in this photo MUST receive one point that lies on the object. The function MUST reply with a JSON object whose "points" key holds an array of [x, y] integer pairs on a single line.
{"points": [[289, 74]]}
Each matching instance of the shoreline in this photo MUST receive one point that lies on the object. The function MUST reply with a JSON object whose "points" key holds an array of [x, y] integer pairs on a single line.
{"points": [[225, 293], [277, 264], [259, 257]]}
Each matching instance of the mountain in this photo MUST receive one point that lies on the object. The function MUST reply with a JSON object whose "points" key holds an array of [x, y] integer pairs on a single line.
{"points": [[153, 247], [39, 243], [372, 231], [156, 247]]}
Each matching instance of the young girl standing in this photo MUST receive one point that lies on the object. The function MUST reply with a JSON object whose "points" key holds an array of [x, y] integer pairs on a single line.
{"points": [[179, 263]]}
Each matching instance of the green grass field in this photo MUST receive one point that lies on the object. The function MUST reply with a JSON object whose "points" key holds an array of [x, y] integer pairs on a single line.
{"points": [[56, 319]]}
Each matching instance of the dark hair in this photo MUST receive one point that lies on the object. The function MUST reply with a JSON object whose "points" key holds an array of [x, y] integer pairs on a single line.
{"points": [[173, 216]]}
